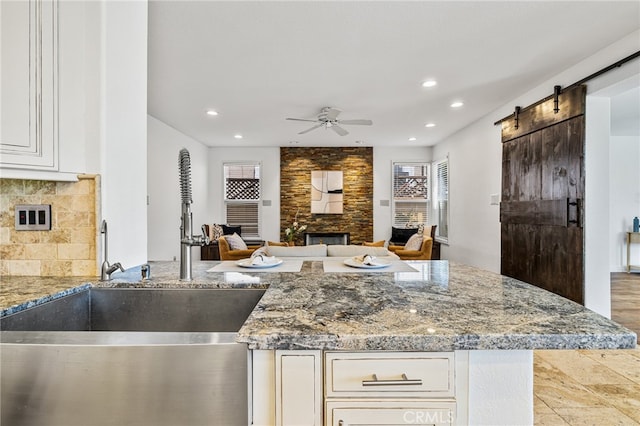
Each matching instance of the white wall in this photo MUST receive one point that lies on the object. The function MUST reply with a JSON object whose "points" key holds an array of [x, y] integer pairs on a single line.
{"points": [[124, 129], [475, 165], [475, 156], [596, 205], [383, 159], [165, 202], [269, 159]]}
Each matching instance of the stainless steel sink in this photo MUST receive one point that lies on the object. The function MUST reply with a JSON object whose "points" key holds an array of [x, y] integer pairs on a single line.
{"points": [[128, 357]]}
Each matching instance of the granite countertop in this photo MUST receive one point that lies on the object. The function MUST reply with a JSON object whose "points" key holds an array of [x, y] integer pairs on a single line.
{"points": [[439, 307]]}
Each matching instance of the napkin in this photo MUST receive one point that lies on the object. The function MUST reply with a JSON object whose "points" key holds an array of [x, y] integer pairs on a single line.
{"points": [[366, 259], [261, 259]]}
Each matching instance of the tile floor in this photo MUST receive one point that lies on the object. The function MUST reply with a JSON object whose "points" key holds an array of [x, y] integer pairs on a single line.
{"points": [[593, 387]]}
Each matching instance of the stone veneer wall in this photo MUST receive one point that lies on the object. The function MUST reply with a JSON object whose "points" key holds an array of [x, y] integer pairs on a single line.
{"points": [[69, 248], [356, 165]]}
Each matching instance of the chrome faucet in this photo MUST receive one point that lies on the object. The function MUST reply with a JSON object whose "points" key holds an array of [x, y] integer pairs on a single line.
{"points": [[107, 269], [187, 239]]}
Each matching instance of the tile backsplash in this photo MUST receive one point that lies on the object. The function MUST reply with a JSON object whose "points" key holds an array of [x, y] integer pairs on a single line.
{"points": [[69, 248]]}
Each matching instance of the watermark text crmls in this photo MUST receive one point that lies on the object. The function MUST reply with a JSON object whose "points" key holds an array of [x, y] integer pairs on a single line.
{"points": [[420, 417]]}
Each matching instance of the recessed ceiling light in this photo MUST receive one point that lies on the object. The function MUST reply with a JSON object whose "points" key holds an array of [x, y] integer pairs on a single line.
{"points": [[212, 112], [238, 136], [430, 125], [456, 104], [412, 139], [429, 83]]}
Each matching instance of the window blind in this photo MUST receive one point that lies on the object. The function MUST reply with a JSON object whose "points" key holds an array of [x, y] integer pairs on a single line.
{"points": [[441, 197], [411, 194], [242, 197]]}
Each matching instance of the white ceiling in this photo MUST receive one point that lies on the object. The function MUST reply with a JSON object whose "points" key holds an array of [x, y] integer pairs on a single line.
{"points": [[257, 63]]}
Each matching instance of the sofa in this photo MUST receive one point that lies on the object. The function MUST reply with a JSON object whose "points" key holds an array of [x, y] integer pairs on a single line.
{"points": [[323, 250], [399, 237], [211, 251], [424, 253], [227, 253]]}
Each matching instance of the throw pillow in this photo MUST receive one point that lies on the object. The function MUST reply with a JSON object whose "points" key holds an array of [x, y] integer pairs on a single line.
{"points": [[414, 242], [401, 235], [235, 242], [230, 230], [374, 244], [215, 232]]}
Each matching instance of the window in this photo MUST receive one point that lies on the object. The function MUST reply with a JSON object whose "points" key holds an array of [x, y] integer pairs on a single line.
{"points": [[242, 197], [441, 198], [411, 194]]}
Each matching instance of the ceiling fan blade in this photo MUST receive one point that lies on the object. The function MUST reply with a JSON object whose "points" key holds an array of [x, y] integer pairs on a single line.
{"points": [[331, 113], [308, 130], [301, 119], [339, 130], [363, 122]]}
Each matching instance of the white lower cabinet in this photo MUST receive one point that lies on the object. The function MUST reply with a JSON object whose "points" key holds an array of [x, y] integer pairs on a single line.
{"points": [[360, 388], [389, 388], [389, 413]]}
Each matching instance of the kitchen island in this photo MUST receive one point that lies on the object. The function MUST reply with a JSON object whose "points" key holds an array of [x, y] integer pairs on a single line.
{"points": [[445, 343]]}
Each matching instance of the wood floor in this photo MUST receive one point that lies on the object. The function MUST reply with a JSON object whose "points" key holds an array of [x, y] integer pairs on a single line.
{"points": [[593, 387]]}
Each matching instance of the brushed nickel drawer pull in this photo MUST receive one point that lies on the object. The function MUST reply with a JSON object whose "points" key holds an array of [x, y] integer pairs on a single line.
{"points": [[392, 382]]}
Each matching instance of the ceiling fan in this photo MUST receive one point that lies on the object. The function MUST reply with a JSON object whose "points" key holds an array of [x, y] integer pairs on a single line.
{"points": [[328, 118]]}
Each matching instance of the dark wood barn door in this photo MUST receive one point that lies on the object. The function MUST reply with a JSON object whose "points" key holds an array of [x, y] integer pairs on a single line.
{"points": [[541, 212]]}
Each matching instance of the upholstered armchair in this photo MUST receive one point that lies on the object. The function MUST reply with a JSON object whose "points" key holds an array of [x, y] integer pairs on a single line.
{"points": [[423, 254], [226, 253]]}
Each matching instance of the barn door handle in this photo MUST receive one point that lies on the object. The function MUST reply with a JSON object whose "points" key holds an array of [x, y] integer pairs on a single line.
{"points": [[577, 204]]}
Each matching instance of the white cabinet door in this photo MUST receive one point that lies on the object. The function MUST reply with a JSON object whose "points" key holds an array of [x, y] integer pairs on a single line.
{"points": [[298, 388], [29, 84], [389, 413]]}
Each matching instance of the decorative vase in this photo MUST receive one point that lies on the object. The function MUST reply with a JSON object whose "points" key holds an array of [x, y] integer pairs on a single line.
{"points": [[291, 243]]}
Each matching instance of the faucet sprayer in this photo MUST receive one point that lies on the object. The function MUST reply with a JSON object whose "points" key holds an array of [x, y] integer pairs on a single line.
{"points": [[187, 239]]}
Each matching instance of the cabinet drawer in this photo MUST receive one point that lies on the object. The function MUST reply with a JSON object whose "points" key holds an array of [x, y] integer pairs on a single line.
{"points": [[377, 374], [352, 413]]}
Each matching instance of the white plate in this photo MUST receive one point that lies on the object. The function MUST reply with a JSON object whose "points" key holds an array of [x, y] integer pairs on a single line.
{"points": [[246, 263], [380, 263]]}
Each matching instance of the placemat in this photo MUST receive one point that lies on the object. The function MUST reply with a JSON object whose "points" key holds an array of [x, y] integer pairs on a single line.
{"points": [[230, 266], [339, 266]]}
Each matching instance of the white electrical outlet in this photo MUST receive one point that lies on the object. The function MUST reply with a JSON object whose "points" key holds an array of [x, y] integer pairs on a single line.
{"points": [[495, 199]]}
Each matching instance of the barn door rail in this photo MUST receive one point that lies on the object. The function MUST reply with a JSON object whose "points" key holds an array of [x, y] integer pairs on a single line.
{"points": [[558, 91]]}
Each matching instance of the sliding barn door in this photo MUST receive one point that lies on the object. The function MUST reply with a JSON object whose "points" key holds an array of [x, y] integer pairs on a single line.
{"points": [[541, 212]]}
